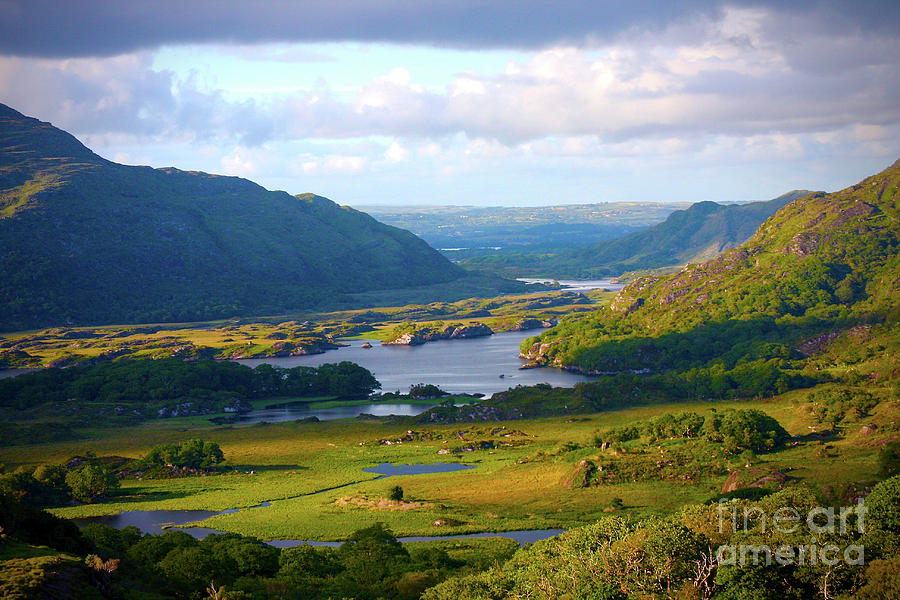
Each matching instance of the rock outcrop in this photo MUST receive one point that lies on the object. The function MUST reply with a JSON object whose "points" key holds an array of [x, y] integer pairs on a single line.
{"points": [[450, 332]]}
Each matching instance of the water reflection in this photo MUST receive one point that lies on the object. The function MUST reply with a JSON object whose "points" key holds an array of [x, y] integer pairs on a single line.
{"points": [[457, 366]]}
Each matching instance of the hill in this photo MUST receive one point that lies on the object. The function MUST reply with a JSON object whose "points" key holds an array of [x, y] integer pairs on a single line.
{"points": [[465, 231], [822, 265], [85, 241], [701, 232], [696, 233]]}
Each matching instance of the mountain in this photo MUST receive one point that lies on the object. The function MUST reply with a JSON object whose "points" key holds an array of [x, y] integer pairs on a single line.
{"points": [[823, 264], [86, 241], [697, 233]]}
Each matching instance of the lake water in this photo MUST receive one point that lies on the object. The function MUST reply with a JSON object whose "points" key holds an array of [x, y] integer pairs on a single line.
{"points": [[465, 366], [578, 285], [388, 469], [299, 411]]}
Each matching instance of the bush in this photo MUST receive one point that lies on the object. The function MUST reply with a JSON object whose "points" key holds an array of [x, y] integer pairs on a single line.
{"points": [[193, 454], [396, 493], [669, 426], [626, 433], [426, 390], [883, 506], [745, 429], [91, 482]]}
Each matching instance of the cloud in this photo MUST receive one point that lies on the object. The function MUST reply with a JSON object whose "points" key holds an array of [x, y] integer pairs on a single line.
{"points": [[49, 28], [737, 73], [741, 83]]}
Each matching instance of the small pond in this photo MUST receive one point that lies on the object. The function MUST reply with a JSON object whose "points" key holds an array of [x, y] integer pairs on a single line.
{"points": [[388, 469]]}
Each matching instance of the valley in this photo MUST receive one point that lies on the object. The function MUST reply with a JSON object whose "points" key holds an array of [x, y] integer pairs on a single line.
{"points": [[611, 422]]}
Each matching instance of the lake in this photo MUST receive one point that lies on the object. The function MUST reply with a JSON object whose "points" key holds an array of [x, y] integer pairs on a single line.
{"points": [[578, 285], [465, 366]]}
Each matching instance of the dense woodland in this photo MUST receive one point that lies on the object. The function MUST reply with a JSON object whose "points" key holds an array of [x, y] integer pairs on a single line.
{"points": [[135, 382]]}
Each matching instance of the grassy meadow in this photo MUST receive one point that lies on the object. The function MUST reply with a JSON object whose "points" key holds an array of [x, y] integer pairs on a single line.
{"points": [[312, 472]]}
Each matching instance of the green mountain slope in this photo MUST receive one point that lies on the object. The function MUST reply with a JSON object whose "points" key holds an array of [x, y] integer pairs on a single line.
{"points": [[700, 232], [86, 240], [823, 263], [703, 231]]}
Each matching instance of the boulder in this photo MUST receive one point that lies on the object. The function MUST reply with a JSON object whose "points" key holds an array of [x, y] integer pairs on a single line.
{"points": [[754, 478], [407, 339], [868, 429], [528, 324], [471, 331]]}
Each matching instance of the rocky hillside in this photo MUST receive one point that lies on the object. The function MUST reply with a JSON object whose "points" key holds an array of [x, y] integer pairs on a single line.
{"points": [[823, 263], [86, 241]]}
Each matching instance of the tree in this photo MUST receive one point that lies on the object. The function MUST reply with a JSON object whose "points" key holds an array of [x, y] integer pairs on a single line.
{"points": [[883, 506], [426, 390], [372, 554], [194, 454], [396, 493], [745, 429], [91, 482], [346, 379]]}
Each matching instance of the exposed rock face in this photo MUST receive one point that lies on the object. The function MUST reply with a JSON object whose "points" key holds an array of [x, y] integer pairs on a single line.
{"points": [[528, 324], [450, 332], [625, 304], [470, 331], [536, 354], [754, 478], [407, 339]]}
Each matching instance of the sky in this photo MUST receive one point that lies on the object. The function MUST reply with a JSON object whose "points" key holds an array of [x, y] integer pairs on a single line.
{"points": [[459, 102]]}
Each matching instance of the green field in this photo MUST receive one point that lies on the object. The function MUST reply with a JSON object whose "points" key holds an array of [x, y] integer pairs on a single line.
{"points": [[517, 486]]}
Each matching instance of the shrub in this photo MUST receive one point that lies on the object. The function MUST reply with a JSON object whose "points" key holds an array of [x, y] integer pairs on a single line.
{"points": [[883, 506], [91, 482], [426, 390], [193, 454], [745, 429]]}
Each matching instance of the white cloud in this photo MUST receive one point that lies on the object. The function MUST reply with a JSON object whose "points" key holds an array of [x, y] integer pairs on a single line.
{"points": [[751, 85], [240, 162], [396, 153]]}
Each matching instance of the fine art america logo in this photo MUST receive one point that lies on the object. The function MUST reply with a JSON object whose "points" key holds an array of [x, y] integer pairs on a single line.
{"points": [[825, 528]]}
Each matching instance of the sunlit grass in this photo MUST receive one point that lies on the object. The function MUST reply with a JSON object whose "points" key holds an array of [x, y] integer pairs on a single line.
{"points": [[510, 488]]}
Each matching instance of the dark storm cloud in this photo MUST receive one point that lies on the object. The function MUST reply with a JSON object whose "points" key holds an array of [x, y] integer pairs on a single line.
{"points": [[55, 28]]}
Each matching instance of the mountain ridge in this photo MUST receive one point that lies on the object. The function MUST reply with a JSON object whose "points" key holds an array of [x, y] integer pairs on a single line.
{"points": [[822, 263], [89, 241]]}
